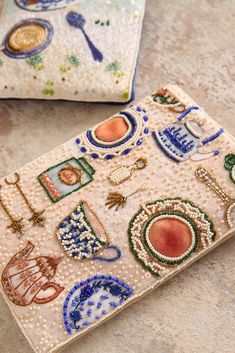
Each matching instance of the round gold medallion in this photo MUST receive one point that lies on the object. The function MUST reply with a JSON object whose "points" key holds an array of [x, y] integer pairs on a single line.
{"points": [[27, 37]]}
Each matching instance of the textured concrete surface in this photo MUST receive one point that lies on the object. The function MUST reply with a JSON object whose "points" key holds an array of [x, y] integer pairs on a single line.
{"points": [[190, 43]]}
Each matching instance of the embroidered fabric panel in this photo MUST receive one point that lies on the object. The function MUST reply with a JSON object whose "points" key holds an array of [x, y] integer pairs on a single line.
{"points": [[97, 233], [82, 50]]}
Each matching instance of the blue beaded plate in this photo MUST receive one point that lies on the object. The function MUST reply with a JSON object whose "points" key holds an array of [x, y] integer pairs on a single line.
{"points": [[136, 120], [44, 5], [92, 299]]}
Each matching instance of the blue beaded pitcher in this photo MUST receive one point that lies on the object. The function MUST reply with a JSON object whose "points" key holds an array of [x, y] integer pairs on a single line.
{"points": [[180, 141]]}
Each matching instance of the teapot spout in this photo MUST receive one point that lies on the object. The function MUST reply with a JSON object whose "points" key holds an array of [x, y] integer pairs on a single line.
{"points": [[24, 253]]}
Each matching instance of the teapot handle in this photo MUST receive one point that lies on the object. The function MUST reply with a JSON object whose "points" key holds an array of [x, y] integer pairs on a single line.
{"points": [[58, 290]]}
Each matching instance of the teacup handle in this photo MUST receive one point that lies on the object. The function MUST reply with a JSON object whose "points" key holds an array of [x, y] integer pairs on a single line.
{"points": [[58, 290], [109, 259]]}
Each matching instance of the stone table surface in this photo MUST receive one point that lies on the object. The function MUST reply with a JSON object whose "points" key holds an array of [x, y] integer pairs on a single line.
{"points": [[190, 43]]}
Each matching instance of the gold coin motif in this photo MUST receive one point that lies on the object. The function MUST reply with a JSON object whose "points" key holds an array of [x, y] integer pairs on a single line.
{"points": [[27, 37]]}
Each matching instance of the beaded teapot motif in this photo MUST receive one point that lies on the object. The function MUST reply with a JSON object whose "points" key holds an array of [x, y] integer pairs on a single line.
{"points": [[26, 281], [180, 141]]}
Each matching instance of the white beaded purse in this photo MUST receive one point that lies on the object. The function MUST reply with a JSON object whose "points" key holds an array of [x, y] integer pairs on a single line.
{"points": [[102, 220]]}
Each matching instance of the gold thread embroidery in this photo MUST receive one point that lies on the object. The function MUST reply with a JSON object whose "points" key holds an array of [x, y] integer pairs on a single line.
{"points": [[36, 217], [211, 181], [118, 200], [16, 223]]}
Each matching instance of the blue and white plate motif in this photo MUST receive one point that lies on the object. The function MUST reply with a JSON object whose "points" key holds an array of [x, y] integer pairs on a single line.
{"points": [[44, 5], [136, 121], [92, 300]]}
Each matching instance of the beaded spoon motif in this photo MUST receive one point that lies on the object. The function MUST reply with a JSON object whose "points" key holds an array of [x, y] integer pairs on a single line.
{"points": [[37, 217], [211, 181], [76, 20], [123, 173], [16, 223]]}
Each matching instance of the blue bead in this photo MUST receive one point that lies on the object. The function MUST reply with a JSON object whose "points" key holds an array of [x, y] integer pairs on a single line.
{"points": [[86, 323], [94, 155], [104, 297], [145, 118], [91, 303], [146, 130], [125, 152], [139, 142], [89, 312], [78, 141], [138, 109], [83, 149], [109, 156]]}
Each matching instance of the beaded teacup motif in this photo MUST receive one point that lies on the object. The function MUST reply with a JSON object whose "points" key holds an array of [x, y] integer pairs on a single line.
{"points": [[82, 236], [93, 299], [166, 232], [165, 98], [27, 281]]}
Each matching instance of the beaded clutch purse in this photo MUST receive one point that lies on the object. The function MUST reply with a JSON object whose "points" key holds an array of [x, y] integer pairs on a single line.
{"points": [[82, 50], [107, 217]]}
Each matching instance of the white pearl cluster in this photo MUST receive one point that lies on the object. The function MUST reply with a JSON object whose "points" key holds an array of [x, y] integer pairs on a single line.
{"points": [[68, 243]]}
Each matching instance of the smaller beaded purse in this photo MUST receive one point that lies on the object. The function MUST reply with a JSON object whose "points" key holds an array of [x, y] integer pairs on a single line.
{"points": [[81, 50], [95, 224]]}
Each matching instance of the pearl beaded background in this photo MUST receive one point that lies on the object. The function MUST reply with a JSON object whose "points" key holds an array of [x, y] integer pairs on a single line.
{"points": [[180, 43], [167, 179], [66, 69]]}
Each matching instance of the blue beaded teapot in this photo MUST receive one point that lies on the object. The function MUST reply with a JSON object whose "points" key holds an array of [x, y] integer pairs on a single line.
{"points": [[180, 141]]}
